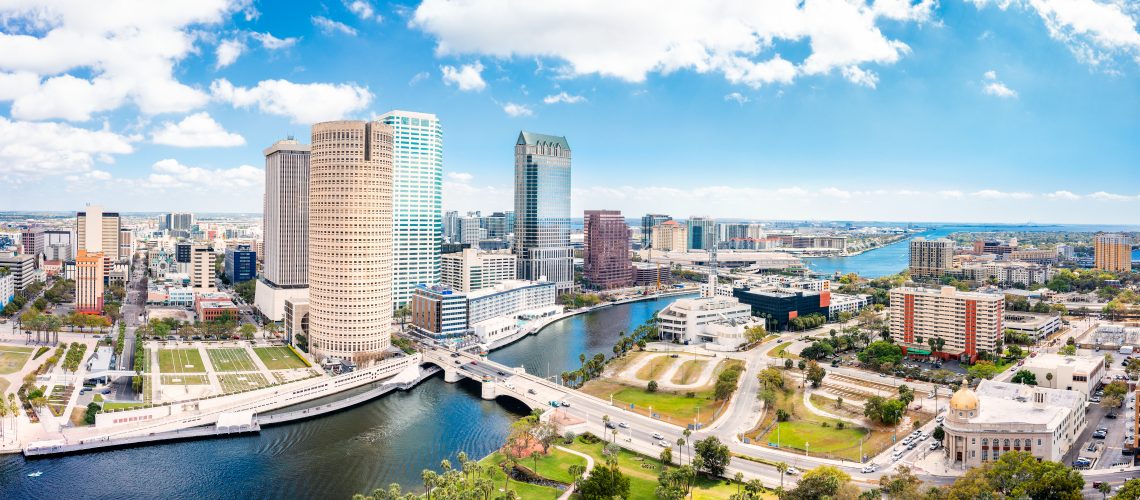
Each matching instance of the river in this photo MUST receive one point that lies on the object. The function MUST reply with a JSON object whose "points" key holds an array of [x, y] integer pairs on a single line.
{"points": [[391, 439]]}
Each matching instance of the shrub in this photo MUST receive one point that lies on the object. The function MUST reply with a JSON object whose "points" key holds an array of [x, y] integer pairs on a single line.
{"points": [[840, 425], [825, 424], [782, 415], [690, 394], [652, 387], [568, 438], [589, 438]]}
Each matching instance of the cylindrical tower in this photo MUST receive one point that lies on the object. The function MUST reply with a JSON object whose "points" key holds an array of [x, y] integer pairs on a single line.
{"points": [[350, 240]]}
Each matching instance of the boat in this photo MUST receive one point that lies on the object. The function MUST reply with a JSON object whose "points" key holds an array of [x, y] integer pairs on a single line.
{"points": [[36, 474]]}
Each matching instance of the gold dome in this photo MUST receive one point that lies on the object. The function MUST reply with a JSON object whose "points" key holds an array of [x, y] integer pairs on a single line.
{"points": [[964, 399]]}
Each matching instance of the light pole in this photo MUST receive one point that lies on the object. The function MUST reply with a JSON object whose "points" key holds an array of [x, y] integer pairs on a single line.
{"points": [[807, 448]]}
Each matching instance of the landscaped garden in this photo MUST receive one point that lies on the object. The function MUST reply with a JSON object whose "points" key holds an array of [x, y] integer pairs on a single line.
{"points": [[13, 358], [679, 407]]}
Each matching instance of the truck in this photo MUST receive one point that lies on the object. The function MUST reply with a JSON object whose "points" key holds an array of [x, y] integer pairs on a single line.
{"points": [[1126, 349]]}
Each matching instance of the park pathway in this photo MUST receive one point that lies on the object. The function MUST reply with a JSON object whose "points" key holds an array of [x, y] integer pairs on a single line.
{"points": [[589, 466]]}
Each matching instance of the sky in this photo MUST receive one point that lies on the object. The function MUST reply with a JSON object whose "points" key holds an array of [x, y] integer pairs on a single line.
{"points": [[903, 110]]}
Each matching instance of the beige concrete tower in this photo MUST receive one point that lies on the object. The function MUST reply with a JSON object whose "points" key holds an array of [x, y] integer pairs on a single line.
{"points": [[350, 240]]}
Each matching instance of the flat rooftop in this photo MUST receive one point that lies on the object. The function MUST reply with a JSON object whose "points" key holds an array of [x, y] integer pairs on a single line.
{"points": [[1080, 364], [1005, 403]]}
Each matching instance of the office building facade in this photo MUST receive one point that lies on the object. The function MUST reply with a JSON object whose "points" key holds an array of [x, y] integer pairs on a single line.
{"points": [[542, 209], [669, 236], [98, 232], [702, 233], [22, 268], [967, 322], [778, 306], [58, 245], [931, 258], [89, 282], [417, 229], [1112, 252], [469, 270], [648, 222], [350, 240], [202, 276], [285, 259], [606, 259], [240, 263]]}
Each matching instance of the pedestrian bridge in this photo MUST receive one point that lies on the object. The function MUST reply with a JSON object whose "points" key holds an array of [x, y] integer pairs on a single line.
{"points": [[497, 380], [108, 373]]}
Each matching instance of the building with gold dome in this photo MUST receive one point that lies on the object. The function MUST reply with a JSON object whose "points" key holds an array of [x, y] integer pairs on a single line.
{"points": [[1000, 417]]}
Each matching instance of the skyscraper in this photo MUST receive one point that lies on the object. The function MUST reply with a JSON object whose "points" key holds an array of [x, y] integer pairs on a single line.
{"points": [[285, 273], [647, 223], [930, 258], [542, 209], [417, 225], [202, 276], [98, 231], [350, 240], [451, 226], [702, 233], [89, 282], [606, 261], [1112, 252]]}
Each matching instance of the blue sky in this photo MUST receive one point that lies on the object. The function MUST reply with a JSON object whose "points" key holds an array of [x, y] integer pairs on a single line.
{"points": [[961, 110]]}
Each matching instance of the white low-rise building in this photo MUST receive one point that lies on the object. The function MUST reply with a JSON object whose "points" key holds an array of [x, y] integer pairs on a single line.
{"points": [[1037, 325], [841, 302], [718, 321], [1069, 373]]}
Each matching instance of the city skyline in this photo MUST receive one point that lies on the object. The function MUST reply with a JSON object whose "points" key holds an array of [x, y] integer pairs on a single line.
{"points": [[964, 111]]}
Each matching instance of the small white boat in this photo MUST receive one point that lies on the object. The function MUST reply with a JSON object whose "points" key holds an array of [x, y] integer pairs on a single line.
{"points": [[36, 474]]}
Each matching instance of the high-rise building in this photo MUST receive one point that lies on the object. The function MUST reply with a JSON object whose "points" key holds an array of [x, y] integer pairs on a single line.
{"points": [[606, 262], [31, 239], [542, 209], [648, 222], [98, 232], [451, 226], [741, 231], [285, 259], [966, 322], [21, 267], [126, 244], [58, 245], [931, 258], [669, 236], [417, 173], [470, 269], [240, 263], [702, 233], [179, 224], [183, 251], [350, 240], [470, 232], [496, 225], [89, 282], [1113, 252], [202, 276]]}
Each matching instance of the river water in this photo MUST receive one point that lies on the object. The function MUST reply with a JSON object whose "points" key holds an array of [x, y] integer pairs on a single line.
{"points": [[391, 439]]}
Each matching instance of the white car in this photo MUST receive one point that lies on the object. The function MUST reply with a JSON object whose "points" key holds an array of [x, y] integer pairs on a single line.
{"points": [[657, 435], [934, 445], [664, 444], [566, 404], [792, 471], [623, 425], [870, 468]]}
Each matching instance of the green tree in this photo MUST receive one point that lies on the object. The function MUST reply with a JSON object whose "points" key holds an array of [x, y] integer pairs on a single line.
{"points": [[247, 331], [713, 454], [1130, 490], [821, 482], [1068, 350], [903, 485], [782, 468], [1024, 377], [939, 434], [879, 353], [92, 410], [651, 386], [815, 374], [605, 482], [906, 394], [982, 370]]}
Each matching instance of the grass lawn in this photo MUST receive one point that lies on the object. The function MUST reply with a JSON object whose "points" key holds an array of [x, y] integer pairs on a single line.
{"points": [[231, 360], [552, 466], [114, 405], [688, 372], [642, 472], [77, 416], [235, 382], [525, 490], [671, 407], [780, 351], [185, 380], [279, 358], [13, 358], [180, 361], [655, 367]]}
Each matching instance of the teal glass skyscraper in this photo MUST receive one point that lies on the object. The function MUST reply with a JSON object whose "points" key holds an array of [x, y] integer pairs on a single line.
{"points": [[417, 217], [542, 209]]}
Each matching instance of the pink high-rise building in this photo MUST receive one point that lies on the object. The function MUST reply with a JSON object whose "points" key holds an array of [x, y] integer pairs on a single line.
{"points": [[607, 263]]}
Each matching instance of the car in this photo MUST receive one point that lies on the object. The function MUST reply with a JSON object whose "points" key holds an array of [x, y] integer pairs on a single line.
{"points": [[911, 446], [935, 445], [870, 468], [1099, 435], [657, 435], [896, 456], [623, 425], [105, 391], [458, 362], [501, 374], [474, 362], [663, 443], [531, 391], [455, 355], [609, 425], [940, 418], [1111, 416], [1095, 399], [565, 403], [555, 404], [883, 375], [792, 471]]}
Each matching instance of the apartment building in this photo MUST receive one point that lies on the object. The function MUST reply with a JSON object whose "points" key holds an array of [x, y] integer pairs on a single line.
{"points": [[931, 258], [967, 322], [469, 270], [89, 282], [1113, 252], [669, 236]]}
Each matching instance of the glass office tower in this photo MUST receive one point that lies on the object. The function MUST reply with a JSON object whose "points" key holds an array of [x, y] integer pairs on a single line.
{"points": [[542, 209]]}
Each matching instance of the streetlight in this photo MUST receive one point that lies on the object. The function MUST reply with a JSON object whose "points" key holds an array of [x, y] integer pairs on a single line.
{"points": [[807, 448]]}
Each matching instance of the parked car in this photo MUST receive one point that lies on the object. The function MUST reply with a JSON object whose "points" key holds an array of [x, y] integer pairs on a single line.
{"points": [[935, 445]]}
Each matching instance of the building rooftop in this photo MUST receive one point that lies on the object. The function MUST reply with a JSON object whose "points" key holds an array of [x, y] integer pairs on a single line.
{"points": [[1005, 403], [536, 138], [949, 291], [1080, 364]]}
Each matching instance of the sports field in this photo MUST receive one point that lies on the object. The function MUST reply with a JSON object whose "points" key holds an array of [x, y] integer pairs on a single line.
{"points": [[240, 382], [185, 380], [278, 358], [180, 361], [12, 358], [231, 360]]}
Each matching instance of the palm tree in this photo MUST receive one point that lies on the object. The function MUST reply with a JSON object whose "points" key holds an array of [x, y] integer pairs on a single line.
{"points": [[782, 468], [1104, 488], [688, 433], [681, 448], [1049, 377], [739, 478]]}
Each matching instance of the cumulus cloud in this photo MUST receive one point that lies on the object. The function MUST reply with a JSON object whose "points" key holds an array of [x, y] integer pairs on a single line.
{"points": [[859, 76], [35, 150], [228, 52], [468, 77], [1063, 195], [1096, 32], [270, 42], [171, 174], [122, 52], [331, 27], [1105, 196], [995, 88], [460, 176], [563, 97], [517, 110], [198, 130], [993, 194], [736, 39], [303, 102], [363, 10], [736, 97]]}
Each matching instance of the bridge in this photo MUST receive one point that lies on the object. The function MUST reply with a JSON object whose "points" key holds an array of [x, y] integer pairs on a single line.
{"points": [[496, 380], [108, 373]]}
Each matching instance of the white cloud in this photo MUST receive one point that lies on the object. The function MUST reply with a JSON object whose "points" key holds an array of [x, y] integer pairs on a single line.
{"points": [[171, 174], [563, 97], [517, 110], [123, 52], [951, 194], [419, 77], [1096, 32], [834, 192], [467, 77], [1104, 196], [1063, 195], [859, 76], [990, 75], [460, 176], [736, 97], [363, 10], [228, 52], [331, 27], [993, 194], [31, 150], [734, 38], [303, 102], [270, 42], [198, 130], [998, 89]]}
